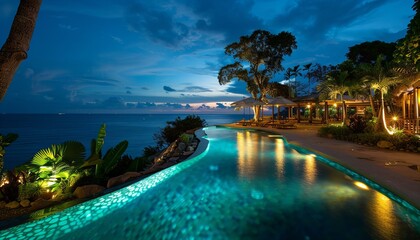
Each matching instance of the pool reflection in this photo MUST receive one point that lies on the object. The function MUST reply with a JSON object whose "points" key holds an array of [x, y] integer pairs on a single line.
{"points": [[382, 214]]}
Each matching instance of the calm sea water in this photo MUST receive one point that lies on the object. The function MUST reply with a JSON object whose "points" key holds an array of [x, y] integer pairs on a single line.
{"points": [[37, 131]]}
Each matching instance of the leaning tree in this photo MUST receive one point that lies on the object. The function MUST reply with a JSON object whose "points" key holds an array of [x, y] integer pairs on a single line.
{"points": [[258, 57], [16, 47]]}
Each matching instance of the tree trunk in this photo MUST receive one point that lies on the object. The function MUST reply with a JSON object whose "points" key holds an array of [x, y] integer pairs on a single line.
{"points": [[256, 109], [14, 50], [372, 105], [380, 126]]}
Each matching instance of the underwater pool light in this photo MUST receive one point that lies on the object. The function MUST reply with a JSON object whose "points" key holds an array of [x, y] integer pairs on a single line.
{"points": [[361, 185]]}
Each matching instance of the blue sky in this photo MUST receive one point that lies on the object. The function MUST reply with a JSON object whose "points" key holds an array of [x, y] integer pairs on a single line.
{"points": [[137, 56]]}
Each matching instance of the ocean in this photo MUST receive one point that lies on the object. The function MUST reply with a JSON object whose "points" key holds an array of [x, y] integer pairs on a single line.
{"points": [[38, 131]]}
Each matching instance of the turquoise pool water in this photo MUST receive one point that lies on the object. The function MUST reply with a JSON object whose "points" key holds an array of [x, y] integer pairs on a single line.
{"points": [[246, 185]]}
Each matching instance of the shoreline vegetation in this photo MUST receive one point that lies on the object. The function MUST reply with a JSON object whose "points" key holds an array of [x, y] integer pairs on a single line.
{"points": [[59, 177]]}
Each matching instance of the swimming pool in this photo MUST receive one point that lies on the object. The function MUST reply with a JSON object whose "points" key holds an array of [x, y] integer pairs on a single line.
{"points": [[246, 185]]}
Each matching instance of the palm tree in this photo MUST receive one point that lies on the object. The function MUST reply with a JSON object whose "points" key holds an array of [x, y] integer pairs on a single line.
{"points": [[335, 85], [308, 74], [295, 73], [379, 77]]}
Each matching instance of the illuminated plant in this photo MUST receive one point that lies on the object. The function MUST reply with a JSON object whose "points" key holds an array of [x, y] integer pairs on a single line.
{"points": [[57, 168]]}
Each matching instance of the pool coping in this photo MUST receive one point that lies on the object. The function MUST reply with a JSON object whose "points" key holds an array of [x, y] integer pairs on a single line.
{"points": [[402, 182]]}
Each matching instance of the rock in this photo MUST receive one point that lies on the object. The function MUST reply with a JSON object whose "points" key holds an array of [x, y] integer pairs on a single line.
{"points": [[14, 204], [2, 204], [173, 159], [25, 203], [122, 179], [384, 144], [40, 203], [190, 148], [87, 191], [181, 146], [188, 153]]}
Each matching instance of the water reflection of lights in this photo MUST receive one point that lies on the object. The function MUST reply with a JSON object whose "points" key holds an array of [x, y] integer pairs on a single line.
{"points": [[279, 151], [246, 154], [310, 169], [382, 210]]}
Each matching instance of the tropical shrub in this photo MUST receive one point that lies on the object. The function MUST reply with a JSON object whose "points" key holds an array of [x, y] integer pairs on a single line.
{"points": [[9, 186], [357, 124], [57, 168], [4, 142], [175, 128], [400, 140], [30, 190], [150, 151]]}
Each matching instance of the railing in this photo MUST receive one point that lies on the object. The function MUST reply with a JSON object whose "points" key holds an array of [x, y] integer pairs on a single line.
{"points": [[410, 125]]}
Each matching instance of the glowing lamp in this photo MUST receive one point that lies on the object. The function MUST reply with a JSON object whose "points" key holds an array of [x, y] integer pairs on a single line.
{"points": [[361, 185]]}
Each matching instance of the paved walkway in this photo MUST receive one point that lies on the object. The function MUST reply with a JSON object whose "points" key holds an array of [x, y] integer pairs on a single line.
{"points": [[370, 162]]}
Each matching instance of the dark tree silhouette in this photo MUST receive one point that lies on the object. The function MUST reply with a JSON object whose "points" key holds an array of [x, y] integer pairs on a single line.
{"points": [[264, 53]]}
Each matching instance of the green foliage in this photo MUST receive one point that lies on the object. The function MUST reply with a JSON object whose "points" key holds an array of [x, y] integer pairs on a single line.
{"points": [[337, 132], [140, 164], [74, 153], [150, 150], [111, 159], [263, 52], [174, 129], [368, 52], [51, 155], [30, 190], [400, 141], [100, 140], [186, 138], [407, 53], [4, 142], [357, 124], [10, 185]]}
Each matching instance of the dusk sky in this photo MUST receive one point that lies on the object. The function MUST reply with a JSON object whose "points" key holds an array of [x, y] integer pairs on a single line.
{"points": [[139, 56]]}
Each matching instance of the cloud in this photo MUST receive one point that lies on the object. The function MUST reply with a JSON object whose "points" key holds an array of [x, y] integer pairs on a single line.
{"points": [[113, 102], [146, 105], [128, 92], [49, 75], [67, 27], [203, 107], [187, 23], [237, 87], [317, 20], [191, 89], [195, 89], [117, 39], [174, 105], [145, 88], [98, 81], [220, 106], [29, 72], [158, 23], [168, 89]]}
